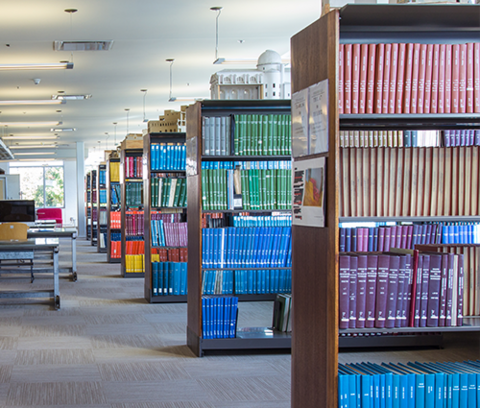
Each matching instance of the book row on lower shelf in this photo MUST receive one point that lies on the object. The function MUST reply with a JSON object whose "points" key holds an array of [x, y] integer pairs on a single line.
{"points": [[171, 234], [253, 135], [115, 194], [115, 249], [372, 239], [388, 291], [169, 255], [412, 385], [246, 185], [426, 181], [282, 313], [134, 263], [246, 282], [133, 167], [168, 192], [254, 247], [115, 219], [169, 278], [219, 317], [133, 194], [409, 138], [134, 223]]}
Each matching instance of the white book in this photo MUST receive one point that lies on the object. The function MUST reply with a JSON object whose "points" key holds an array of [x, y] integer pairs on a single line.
{"points": [[171, 195], [223, 135]]}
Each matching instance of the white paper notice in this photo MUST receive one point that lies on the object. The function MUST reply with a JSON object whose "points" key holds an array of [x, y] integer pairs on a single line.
{"points": [[318, 117], [309, 192], [300, 123]]}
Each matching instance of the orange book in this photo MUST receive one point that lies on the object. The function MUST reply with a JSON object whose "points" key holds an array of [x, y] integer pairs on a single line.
{"points": [[476, 77], [422, 70], [347, 79], [386, 77], [427, 99], [355, 76], [393, 79], [371, 68], [379, 78], [441, 79], [340, 78], [455, 78], [402, 48], [415, 68], [362, 93], [469, 90], [462, 79], [407, 88], [435, 71]]}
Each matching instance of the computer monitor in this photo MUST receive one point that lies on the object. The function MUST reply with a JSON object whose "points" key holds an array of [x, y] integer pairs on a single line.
{"points": [[17, 210]]}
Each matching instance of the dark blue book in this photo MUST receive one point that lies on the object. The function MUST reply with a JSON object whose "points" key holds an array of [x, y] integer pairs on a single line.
{"points": [[371, 239], [348, 239]]}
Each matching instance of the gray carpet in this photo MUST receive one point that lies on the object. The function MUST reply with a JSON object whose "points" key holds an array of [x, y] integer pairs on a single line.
{"points": [[107, 348]]}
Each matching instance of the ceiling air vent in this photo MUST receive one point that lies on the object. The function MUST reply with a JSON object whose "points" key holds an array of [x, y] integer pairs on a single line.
{"points": [[82, 45]]}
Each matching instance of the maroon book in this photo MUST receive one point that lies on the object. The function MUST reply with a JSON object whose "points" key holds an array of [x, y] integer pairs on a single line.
{"points": [[392, 291], [409, 237], [442, 313], [403, 243], [372, 263], [398, 237], [407, 294], [360, 240], [361, 290], [424, 294], [344, 291], [400, 315], [460, 291], [381, 239], [434, 286], [382, 289], [393, 236], [352, 302], [386, 241], [448, 314], [418, 291]]}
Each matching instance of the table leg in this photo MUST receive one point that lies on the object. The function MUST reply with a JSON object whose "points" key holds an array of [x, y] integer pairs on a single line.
{"points": [[56, 284], [74, 257]]}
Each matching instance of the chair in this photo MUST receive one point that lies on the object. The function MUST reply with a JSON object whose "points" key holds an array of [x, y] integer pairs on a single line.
{"points": [[16, 231], [50, 214]]}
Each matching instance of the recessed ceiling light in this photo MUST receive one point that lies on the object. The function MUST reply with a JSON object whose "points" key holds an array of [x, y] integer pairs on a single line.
{"points": [[62, 130], [34, 102], [12, 137], [13, 124], [33, 153], [71, 97], [102, 45], [47, 146], [60, 65]]}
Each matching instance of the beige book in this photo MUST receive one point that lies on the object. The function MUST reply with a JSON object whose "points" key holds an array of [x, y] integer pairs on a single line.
{"points": [[366, 182], [345, 183], [407, 179], [455, 181], [359, 180], [379, 189], [427, 183], [373, 182], [386, 181], [461, 181], [420, 181], [447, 199], [475, 180], [414, 182], [399, 182], [434, 182], [468, 180], [440, 180], [353, 182], [392, 182]]}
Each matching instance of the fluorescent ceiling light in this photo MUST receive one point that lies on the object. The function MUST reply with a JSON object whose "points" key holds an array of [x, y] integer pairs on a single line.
{"points": [[33, 154], [185, 99], [71, 97], [33, 102], [28, 137], [62, 130], [221, 61], [49, 146], [13, 67], [83, 45], [13, 124]]}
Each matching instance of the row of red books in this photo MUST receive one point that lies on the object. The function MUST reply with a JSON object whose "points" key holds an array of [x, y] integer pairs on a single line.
{"points": [[134, 223], [390, 290], [133, 167], [409, 78], [115, 220], [115, 249], [134, 247], [171, 255]]}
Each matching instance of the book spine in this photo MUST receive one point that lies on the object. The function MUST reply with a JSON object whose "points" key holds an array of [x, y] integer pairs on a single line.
{"points": [[476, 77], [348, 61], [415, 77], [428, 79], [470, 78], [371, 68], [422, 70], [392, 97], [455, 78], [380, 56], [362, 95], [402, 60], [407, 88]]}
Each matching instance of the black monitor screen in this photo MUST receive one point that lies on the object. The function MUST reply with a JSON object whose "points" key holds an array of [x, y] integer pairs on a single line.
{"points": [[17, 210]]}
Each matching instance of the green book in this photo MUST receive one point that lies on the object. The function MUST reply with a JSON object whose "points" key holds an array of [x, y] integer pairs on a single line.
{"points": [[251, 189], [178, 187], [245, 203], [205, 189], [224, 195], [168, 187]]}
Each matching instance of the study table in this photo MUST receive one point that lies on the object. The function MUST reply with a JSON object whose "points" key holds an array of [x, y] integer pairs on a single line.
{"points": [[25, 250], [59, 232]]}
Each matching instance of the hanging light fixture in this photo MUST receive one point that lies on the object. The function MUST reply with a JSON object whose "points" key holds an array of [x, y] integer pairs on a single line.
{"points": [[172, 98], [115, 134], [145, 120], [128, 112], [218, 10]]}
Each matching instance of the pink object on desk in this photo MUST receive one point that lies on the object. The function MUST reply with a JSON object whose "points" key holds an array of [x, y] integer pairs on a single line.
{"points": [[50, 214]]}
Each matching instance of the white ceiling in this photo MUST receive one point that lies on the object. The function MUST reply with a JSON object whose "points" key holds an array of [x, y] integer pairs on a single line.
{"points": [[145, 33]]}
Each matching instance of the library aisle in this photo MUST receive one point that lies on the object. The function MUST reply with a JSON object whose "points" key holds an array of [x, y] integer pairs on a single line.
{"points": [[107, 348]]}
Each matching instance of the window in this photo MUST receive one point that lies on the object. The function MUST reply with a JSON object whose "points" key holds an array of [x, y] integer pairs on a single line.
{"points": [[44, 183]]}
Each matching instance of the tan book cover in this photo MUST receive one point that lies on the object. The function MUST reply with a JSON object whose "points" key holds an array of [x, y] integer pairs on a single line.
{"points": [[427, 174], [414, 183], [380, 186], [434, 195], [366, 182], [461, 180], [455, 181], [386, 181], [441, 181], [420, 181], [475, 180], [447, 199], [407, 179], [359, 180], [373, 182], [345, 182], [353, 183], [392, 183], [468, 181], [399, 182]]}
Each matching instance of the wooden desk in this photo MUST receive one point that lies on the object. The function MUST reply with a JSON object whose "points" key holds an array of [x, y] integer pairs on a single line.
{"points": [[60, 232], [11, 250]]}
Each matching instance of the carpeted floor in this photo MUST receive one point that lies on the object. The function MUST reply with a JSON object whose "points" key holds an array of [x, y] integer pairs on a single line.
{"points": [[107, 347]]}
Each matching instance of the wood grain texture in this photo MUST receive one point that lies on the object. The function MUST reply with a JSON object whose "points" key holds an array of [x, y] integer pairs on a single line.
{"points": [[147, 177], [315, 286]]}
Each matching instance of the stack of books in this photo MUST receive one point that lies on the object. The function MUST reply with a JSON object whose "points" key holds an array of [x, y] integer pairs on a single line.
{"points": [[219, 317], [168, 192], [169, 278]]}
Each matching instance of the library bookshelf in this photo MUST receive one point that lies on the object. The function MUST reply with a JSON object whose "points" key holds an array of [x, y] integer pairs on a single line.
{"points": [[198, 160], [131, 185], [88, 207], [102, 208], [93, 208], [315, 58], [153, 172], [113, 208]]}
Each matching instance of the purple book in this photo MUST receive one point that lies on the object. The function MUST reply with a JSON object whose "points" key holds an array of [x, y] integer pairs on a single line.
{"points": [[448, 314], [434, 286], [443, 292], [365, 239], [399, 236], [428, 234], [471, 137], [392, 292], [462, 137], [424, 295], [477, 138], [354, 240], [372, 263], [341, 247], [433, 234], [393, 236], [403, 242], [418, 292], [401, 292], [361, 290], [409, 237], [460, 291], [382, 288], [344, 291], [457, 138], [407, 296], [352, 310], [360, 239], [386, 243], [381, 239], [446, 138]]}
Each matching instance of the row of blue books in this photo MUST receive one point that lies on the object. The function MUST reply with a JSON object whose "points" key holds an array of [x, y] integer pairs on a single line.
{"points": [[167, 156], [115, 193], [219, 317], [257, 247], [246, 282], [247, 165], [411, 385], [169, 278], [102, 177], [262, 221], [103, 196], [461, 233], [463, 137], [115, 236]]}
